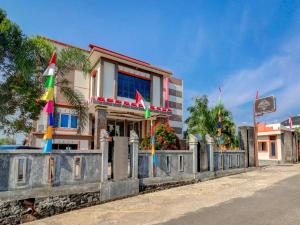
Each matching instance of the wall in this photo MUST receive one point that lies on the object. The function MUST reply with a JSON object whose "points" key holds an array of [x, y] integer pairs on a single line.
{"points": [[289, 147], [156, 91], [229, 159], [246, 142], [36, 168], [175, 102], [109, 80], [145, 162], [81, 83]]}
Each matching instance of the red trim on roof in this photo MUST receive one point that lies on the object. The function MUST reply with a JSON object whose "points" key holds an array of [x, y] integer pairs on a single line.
{"points": [[92, 46], [64, 44]]}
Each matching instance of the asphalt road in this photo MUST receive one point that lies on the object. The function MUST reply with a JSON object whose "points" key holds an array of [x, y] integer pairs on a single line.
{"points": [[278, 204], [265, 196]]}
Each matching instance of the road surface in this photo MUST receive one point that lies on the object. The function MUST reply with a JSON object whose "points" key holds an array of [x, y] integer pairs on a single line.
{"points": [[266, 196]]}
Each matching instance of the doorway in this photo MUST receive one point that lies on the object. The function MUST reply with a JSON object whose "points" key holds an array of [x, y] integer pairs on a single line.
{"points": [[273, 149]]}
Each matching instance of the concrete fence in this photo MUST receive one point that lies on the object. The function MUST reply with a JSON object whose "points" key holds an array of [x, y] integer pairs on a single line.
{"points": [[224, 160], [169, 163], [67, 180], [23, 169]]}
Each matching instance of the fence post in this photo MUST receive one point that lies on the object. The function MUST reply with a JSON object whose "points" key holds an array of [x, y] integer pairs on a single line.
{"points": [[209, 141], [193, 146], [134, 145], [104, 149]]}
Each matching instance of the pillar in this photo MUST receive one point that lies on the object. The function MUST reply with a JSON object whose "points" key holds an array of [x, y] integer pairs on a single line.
{"points": [[104, 148], [100, 123], [134, 145], [210, 145], [193, 146]]}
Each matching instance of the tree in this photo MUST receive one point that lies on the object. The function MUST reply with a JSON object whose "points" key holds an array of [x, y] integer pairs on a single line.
{"points": [[165, 138], [22, 63], [203, 120], [297, 132], [7, 141]]}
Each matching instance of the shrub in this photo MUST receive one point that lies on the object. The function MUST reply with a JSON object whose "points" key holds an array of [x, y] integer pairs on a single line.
{"points": [[165, 138]]}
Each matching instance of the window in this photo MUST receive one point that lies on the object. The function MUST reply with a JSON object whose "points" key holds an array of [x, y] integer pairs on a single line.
{"points": [[181, 166], [77, 168], [127, 86], [168, 164], [262, 146], [64, 120], [73, 121], [21, 170]]}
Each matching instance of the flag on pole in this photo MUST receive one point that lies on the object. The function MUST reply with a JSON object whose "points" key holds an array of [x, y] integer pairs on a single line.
{"points": [[139, 99], [50, 71], [48, 95], [219, 115], [257, 95], [154, 159], [49, 82], [291, 121], [49, 107]]}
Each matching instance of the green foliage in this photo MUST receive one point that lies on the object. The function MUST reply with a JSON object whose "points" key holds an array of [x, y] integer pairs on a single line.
{"points": [[204, 120], [7, 141], [22, 63], [297, 132], [165, 138]]}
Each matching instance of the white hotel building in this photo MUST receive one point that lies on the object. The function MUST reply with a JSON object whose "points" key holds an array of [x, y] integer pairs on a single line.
{"points": [[110, 91]]}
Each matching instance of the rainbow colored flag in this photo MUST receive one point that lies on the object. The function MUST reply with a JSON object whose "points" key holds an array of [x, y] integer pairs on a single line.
{"points": [[219, 117], [48, 96], [154, 159]]}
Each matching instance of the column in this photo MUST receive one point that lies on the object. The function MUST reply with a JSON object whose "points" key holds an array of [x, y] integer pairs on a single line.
{"points": [[134, 145], [193, 146], [104, 148], [209, 141], [100, 123]]}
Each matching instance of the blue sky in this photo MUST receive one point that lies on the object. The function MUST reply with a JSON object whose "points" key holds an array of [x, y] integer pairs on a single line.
{"points": [[241, 46]]}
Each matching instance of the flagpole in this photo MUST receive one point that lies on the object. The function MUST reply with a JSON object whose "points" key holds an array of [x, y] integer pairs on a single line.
{"points": [[151, 128], [255, 137]]}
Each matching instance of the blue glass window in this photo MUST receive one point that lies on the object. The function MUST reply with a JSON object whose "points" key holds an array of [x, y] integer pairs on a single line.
{"points": [[127, 86], [64, 120], [74, 121]]}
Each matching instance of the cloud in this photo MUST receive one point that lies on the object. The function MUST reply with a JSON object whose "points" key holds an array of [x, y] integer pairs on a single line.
{"points": [[279, 75]]}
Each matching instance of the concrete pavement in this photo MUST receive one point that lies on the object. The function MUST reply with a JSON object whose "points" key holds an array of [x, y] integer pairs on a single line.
{"points": [[266, 196]]}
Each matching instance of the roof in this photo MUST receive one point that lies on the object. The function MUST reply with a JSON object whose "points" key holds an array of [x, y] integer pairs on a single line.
{"points": [[64, 44], [295, 120], [113, 54], [127, 58]]}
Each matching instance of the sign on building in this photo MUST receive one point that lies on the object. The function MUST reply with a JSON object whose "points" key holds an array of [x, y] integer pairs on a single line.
{"points": [[265, 105]]}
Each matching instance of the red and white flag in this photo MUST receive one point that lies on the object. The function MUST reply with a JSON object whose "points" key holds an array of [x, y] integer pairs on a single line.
{"points": [[257, 95], [139, 99], [291, 122], [51, 67]]}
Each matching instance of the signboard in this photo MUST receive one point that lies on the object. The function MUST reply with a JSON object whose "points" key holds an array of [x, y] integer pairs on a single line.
{"points": [[265, 105]]}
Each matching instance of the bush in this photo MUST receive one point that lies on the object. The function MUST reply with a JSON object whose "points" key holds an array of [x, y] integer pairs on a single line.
{"points": [[165, 138]]}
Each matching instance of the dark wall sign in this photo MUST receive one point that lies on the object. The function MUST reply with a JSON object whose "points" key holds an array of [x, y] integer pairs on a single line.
{"points": [[265, 105]]}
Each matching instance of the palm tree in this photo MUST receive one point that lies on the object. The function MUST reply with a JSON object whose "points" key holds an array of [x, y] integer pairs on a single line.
{"points": [[21, 88], [203, 120]]}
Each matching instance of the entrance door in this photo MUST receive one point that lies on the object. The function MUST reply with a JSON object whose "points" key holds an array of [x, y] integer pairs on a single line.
{"points": [[273, 149]]}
